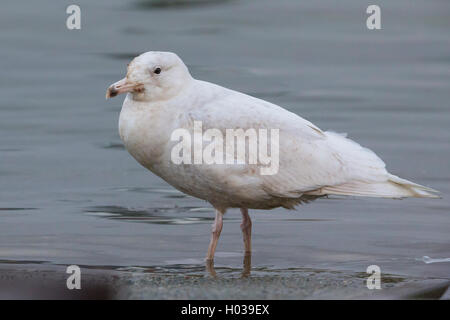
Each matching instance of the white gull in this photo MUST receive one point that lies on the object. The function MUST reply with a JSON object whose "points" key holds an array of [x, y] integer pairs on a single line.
{"points": [[163, 96]]}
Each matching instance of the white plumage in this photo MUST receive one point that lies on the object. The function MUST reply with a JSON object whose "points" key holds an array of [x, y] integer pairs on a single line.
{"points": [[312, 162]]}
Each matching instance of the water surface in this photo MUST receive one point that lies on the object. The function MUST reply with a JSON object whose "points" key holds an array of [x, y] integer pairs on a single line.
{"points": [[71, 194]]}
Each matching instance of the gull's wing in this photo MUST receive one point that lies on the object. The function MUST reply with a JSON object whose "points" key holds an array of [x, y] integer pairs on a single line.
{"points": [[310, 161], [306, 162]]}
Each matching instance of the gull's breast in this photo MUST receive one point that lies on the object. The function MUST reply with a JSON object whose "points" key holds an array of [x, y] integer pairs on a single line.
{"points": [[143, 134]]}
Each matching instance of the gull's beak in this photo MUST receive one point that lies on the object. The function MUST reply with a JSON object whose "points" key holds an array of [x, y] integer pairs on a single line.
{"points": [[122, 86]]}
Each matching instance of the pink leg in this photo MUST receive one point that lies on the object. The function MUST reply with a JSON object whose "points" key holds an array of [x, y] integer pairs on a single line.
{"points": [[246, 228], [247, 265], [210, 268], [215, 234]]}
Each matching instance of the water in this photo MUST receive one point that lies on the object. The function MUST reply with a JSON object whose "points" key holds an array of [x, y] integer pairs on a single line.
{"points": [[71, 194]]}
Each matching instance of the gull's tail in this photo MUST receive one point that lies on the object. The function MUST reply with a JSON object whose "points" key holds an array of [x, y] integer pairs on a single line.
{"points": [[367, 175], [393, 187]]}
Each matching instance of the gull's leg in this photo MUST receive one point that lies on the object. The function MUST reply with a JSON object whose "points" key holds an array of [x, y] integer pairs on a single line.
{"points": [[246, 227], [215, 234], [210, 268], [247, 265]]}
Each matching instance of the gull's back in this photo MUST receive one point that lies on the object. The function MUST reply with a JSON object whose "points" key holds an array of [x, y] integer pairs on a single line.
{"points": [[312, 162]]}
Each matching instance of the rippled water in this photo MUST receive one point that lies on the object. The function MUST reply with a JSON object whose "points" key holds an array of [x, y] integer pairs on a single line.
{"points": [[70, 193]]}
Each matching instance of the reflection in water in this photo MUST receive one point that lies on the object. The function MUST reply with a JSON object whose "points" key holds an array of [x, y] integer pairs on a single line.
{"points": [[164, 192], [173, 215], [429, 260], [151, 215], [114, 145]]}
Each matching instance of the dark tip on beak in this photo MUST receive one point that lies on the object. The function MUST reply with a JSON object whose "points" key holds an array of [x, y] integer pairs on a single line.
{"points": [[121, 86], [111, 92]]}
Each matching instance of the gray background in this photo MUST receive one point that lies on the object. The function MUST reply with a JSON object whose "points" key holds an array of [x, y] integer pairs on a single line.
{"points": [[71, 194]]}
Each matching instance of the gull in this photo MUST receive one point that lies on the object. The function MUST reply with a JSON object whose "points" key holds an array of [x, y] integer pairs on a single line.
{"points": [[162, 97]]}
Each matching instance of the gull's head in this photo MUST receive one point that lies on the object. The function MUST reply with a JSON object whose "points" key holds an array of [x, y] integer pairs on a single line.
{"points": [[152, 76]]}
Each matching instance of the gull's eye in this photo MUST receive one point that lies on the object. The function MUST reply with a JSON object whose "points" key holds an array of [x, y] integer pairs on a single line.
{"points": [[157, 70]]}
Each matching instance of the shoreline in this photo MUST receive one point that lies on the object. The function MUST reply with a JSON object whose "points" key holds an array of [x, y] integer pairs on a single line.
{"points": [[34, 281]]}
